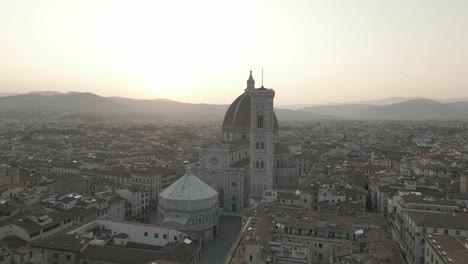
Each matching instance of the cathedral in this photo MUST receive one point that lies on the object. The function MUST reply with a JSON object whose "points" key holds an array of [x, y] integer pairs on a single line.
{"points": [[247, 161]]}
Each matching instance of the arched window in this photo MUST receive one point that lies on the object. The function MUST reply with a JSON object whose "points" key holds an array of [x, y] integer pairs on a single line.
{"points": [[262, 165], [257, 145], [256, 164], [260, 120], [262, 145]]}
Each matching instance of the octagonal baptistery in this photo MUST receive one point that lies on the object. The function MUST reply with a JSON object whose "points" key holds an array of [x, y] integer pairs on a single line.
{"points": [[189, 203]]}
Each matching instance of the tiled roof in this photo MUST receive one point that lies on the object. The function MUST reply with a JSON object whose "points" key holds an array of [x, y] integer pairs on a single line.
{"points": [[189, 187]]}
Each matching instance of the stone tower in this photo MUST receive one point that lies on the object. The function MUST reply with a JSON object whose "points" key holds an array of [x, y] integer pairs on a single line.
{"points": [[263, 126]]}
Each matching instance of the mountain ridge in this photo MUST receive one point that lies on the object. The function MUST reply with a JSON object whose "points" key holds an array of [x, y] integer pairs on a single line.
{"points": [[49, 101], [415, 109], [382, 101], [159, 108]]}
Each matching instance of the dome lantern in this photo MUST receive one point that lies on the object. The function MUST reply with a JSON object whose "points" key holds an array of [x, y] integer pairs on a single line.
{"points": [[250, 82]]}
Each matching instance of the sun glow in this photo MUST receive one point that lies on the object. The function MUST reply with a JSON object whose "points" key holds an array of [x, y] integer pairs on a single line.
{"points": [[201, 51]]}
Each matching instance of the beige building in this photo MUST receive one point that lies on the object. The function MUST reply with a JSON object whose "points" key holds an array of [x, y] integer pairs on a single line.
{"points": [[9, 175], [463, 183]]}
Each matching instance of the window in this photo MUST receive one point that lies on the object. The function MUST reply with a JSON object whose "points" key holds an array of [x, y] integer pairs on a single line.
{"points": [[320, 256], [34, 234], [156, 235], [68, 257], [320, 245], [424, 230], [165, 236], [260, 120], [262, 145], [250, 258], [435, 231], [257, 145], [457, 233], [146, 234], [446, 232], [175, 238]]}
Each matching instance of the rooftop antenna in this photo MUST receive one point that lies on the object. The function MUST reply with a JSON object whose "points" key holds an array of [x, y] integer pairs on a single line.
{"points": [[262, 76]]}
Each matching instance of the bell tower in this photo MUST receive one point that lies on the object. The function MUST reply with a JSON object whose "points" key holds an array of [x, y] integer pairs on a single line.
{"points": [[262, 121]]}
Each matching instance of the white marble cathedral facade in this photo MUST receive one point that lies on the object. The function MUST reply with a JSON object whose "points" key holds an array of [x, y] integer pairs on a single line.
{"points": [[248, 161]]}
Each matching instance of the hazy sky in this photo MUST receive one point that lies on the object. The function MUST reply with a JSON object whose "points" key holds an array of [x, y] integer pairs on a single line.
{"points": [[202, 51]]}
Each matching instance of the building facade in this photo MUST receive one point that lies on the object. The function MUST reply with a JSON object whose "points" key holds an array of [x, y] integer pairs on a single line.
{"points": [[248, 160], [9, 175]]}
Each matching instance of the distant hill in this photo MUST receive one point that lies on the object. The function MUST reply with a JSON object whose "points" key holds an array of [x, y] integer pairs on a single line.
{"points": [[416, 109], [7, 94], [388, 100], [188, 111], [453, 100], [172, 109], [69, 102], [163, 109], [160, 109], [45, 93], [383, 101]]}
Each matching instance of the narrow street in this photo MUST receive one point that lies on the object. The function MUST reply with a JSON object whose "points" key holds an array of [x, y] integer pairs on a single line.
{"points": [[214, 252]]}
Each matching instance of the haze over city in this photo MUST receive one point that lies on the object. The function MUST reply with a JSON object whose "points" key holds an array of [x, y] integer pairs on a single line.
{"points": [[233, 132], [312, 52]]}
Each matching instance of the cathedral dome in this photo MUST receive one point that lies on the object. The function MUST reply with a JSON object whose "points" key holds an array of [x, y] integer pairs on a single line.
{"points": [[238, 114], [237, 117]]}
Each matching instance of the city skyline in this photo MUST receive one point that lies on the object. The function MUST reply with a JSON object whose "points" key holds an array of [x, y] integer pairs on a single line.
{"points": [[312, 52], [233, 132]]}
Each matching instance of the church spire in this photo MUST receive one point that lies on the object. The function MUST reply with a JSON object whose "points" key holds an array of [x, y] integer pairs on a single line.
{"points": [[250, 81]]}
